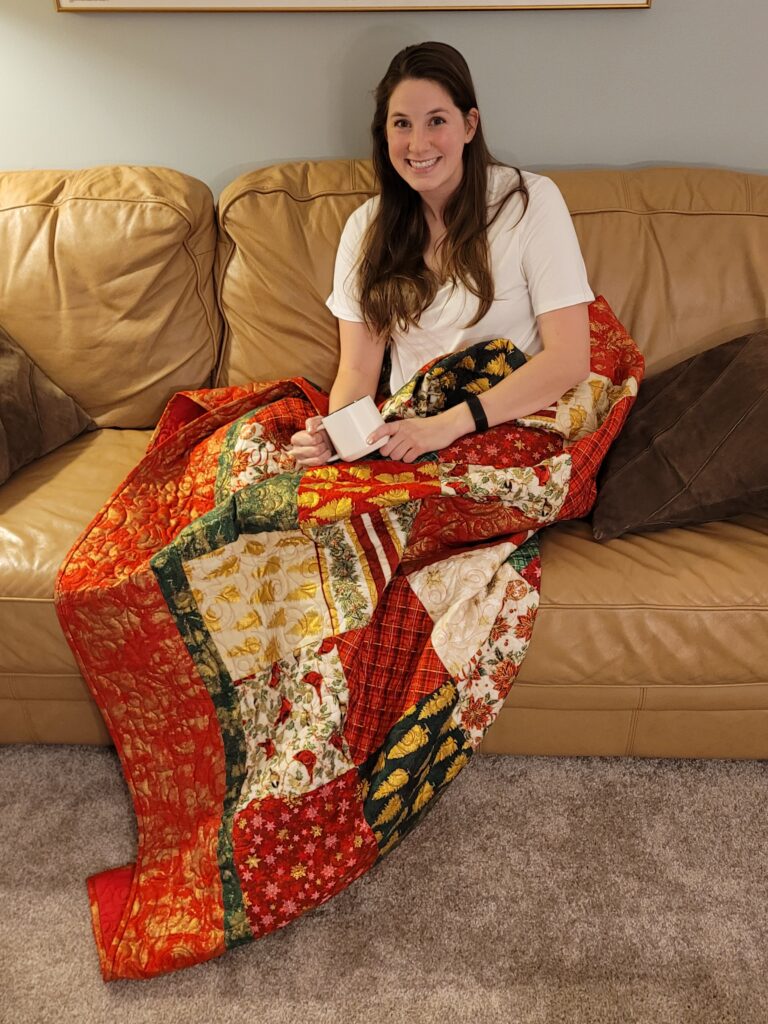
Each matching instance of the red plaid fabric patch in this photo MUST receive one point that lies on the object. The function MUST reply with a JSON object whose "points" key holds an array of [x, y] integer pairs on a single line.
{"points": [[389, 666]]}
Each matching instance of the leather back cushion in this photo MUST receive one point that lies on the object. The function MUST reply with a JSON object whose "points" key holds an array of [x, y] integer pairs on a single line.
{"points": [[680, 254], [106, 281], [279, 228]]}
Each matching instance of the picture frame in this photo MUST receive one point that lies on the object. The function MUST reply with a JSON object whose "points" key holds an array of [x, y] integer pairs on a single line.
{"points": [[124, 6]]}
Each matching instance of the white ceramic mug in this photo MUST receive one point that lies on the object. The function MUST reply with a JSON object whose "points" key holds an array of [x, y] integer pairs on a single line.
{"points": [[350, 426]]}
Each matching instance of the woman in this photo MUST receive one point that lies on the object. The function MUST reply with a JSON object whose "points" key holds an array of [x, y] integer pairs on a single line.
{"points": [[457, 249]]}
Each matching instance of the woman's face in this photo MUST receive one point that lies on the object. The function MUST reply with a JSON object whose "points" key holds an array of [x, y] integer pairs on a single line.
{"points": [[426, 135]]}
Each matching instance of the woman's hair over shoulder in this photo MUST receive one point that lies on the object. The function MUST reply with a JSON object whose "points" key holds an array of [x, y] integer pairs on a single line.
{"points": [[395, 283]]}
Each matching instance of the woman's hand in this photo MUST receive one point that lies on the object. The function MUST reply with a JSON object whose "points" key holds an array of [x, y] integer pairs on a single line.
{"points": [[413, 437], [311, 446]]}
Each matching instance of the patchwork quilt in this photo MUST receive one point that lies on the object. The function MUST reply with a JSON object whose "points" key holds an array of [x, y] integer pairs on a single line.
{"points": [[294, 664]]}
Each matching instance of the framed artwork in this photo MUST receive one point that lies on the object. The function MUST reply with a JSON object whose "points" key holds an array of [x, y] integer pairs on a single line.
{"points": [[345, 5]]}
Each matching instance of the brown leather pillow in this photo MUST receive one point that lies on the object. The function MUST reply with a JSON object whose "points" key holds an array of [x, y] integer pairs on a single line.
{"points": [[36, 416], [693, 448]]}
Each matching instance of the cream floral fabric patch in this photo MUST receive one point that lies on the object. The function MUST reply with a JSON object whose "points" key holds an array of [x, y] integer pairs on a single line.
{"points": [[293, 718], [487, 678], [255, 457], [538, 492]]}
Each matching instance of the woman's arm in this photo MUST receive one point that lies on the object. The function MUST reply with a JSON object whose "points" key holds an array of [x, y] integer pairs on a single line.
{"points": [[360, 360], [562, 363], [361, 357]]}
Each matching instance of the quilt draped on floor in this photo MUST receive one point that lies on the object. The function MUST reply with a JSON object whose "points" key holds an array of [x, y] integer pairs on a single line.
{"points": [[294, 664]]}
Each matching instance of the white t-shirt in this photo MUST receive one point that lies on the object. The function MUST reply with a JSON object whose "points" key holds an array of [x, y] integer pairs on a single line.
{"points": [[536, 263]]}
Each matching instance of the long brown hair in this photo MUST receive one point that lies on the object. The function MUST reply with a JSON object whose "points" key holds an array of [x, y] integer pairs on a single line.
{"points": [[396, 285]]}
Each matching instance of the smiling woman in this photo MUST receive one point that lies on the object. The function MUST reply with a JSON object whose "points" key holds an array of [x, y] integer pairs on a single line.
{"points": [[337, 5], [457, 250], [426, 136]]}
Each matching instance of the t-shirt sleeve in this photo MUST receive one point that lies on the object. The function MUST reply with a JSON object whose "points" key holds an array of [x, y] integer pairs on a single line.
{"points": [[344, 300], [550, 253]]}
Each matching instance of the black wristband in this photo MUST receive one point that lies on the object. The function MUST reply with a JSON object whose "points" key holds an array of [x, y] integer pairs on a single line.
{"points": [[478, 412]]}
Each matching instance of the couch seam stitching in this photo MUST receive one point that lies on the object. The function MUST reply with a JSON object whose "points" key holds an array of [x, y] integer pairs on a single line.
{"points": [[645, 605], [30, 723], [633, 722], [590, 211]]}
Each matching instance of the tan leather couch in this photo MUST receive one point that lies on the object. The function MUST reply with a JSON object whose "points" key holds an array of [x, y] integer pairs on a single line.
{"points": [[653, 645]]}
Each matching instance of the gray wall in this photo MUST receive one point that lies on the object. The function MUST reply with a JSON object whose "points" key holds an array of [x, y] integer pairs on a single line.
{"points": [[217, 94]]}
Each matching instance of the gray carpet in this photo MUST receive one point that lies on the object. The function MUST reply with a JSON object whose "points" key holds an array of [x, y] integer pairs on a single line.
{"points": [[538, 891]]}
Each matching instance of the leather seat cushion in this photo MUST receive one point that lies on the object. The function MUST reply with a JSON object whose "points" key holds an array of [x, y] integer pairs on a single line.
{"points": [[638, 611], [43, 509]]}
